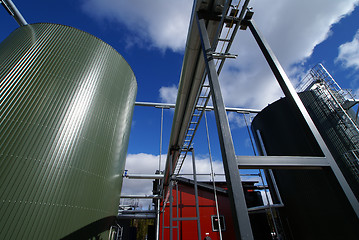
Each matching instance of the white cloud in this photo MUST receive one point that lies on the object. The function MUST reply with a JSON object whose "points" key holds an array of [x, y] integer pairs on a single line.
{"points": [[161, 23], [144, 163], [292, 29], [141, 163], [168, 94], [349, 53]]}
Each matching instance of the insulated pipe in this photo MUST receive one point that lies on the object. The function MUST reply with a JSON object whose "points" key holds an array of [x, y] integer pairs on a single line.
{"points": [[13, 11], [193, 69]]}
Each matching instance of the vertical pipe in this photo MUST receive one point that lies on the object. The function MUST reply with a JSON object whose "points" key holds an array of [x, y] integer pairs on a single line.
{"points": [[270, 171], [212, 178], [171, 201], [241, 223], [158, 219], [196, 195], [294, 99], [178, 228], [163, 220], [159, 162]]}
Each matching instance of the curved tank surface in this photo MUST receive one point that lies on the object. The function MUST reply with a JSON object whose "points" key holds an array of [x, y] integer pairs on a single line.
{"points": [[313, 200], [66, 108]]}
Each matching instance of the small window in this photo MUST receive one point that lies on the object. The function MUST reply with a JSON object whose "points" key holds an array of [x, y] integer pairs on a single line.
{"points": [[215, 224]]}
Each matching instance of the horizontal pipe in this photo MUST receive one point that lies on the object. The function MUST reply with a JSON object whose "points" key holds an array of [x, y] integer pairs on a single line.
{"points": [[135, 211], [136, 216], [200, 174], [141, 196], [143, 176], [253, 209], [186, 219], [209, 108]]}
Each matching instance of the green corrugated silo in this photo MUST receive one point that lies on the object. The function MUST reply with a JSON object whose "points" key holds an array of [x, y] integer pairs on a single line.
{"points": [[66, 104]]}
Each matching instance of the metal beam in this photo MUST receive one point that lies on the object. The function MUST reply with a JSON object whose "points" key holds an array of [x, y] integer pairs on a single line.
{"points": [[185, 219], [143, 176], [208, 108], [240, 216], [292, 96], [262, 162], [135, 211], [137, 216], [253, 209], [196, 195], [141, 196]]}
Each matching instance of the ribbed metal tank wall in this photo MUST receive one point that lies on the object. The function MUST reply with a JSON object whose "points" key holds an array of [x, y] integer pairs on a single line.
{"points": [[66, 108], [315, 206]]}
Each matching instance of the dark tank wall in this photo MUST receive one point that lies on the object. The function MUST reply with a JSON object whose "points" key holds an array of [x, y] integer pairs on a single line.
{"points": [[66, 108], [315, 205]]}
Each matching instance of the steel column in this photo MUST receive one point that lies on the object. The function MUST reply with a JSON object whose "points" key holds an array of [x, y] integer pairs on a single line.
{"points": [[293, 97], [158, 206], [196, 195], [170, 187], [240, 216]]}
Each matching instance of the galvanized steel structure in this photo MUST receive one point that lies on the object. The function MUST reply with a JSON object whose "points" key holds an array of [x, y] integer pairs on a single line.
{"points": [[66, 108], [207, 21]]}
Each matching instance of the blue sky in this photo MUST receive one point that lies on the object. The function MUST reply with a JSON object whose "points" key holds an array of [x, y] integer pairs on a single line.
{"points": [[151, 36]]}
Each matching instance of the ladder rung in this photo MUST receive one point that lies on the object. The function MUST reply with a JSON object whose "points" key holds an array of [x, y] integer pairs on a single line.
{"points": [[224, 40], [185, 219]]}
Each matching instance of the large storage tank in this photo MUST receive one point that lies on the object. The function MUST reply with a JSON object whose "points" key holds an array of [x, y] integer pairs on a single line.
{"points": [[315, 206], [66, 107]]}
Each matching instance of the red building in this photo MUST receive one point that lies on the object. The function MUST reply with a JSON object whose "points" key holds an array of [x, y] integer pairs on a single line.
{"points": [[184, 206]]}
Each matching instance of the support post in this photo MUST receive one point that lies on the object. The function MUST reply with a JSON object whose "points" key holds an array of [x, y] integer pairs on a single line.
{"points": [[158, 210], [196, 195], [171, 199], [239, 209], [163, 220], [293, 97]]}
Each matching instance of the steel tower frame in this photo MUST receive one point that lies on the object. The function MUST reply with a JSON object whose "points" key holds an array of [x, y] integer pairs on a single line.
{"points": [[232, 162]]}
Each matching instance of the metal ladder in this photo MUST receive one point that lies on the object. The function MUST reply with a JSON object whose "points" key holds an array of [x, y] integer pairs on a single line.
{"points": [[205, 93], [177, 219]]}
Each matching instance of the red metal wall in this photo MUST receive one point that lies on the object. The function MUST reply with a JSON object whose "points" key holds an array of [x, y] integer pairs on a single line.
{"points": [[187, 208]]}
